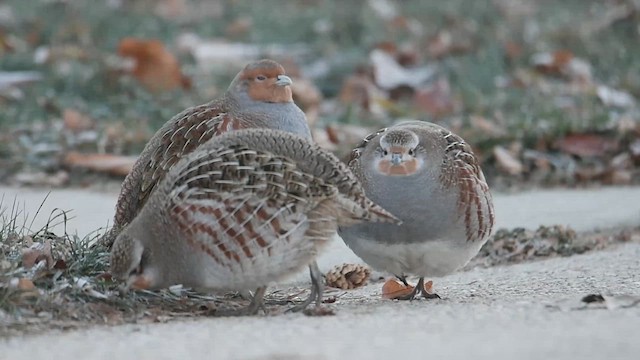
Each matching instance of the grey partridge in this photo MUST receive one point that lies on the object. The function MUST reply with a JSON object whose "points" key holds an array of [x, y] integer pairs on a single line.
{"points": [[430, 179], [258, 97], [245, 209]]}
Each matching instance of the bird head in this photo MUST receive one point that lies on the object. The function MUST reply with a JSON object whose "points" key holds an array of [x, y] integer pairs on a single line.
{"points": [[399, 153], [128, 260], [263, 81]]}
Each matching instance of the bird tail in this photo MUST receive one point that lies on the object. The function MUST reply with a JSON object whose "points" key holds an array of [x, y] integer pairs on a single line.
{"points": [[364, 210]]}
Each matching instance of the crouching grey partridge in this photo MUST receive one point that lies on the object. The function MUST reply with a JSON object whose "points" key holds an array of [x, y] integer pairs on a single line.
{"points": [[245, 209], [259, 97], [430, 179]]}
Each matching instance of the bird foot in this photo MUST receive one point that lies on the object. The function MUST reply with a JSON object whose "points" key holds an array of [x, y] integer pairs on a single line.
{"points": [[396, 291], [317, 287], [256, 305]]}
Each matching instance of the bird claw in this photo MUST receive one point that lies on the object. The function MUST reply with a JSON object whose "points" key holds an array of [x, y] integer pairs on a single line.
{"points": [[317, 287], [256, 305], [419, 288]]}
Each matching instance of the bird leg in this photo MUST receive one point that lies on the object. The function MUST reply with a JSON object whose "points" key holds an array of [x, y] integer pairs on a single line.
{"points": [[317, 287], [420, 288], [257, 301], [255, 305], [415, 291], [403, 279], [428, 295]]}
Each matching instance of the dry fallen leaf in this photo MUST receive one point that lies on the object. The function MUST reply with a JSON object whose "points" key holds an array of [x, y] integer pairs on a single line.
{"points": [[75, 121], [563, 62], [358, 89], [25, 284], [585, 145], [446, 43], [239, 27], [428, 286], [155, 67], [36, 253], [506, 161], [486, 126], [436, 99], [106, 163], [392, 289]]}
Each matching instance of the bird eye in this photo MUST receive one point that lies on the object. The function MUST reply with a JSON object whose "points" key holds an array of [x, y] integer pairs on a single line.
{"points": [[412, 152], [261, 78], [385, 152]]}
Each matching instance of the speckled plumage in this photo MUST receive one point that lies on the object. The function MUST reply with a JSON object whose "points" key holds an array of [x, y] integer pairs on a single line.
{"points": [[435, 186], [246, 208], [249, 102]]}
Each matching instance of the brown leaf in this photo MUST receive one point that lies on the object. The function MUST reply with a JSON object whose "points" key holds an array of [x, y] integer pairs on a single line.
{"points": [[106, 163], [156, 68], [435, 100], [428, 286], [394, 290], [445, 43], [619, 177], [36, 253], [506, 161], [513, 50], [75, 121], [332, 134], [238, 28], [170, 9], [563, 62], [26, 284], [585, 145], [552, 63], [358, 89], [60, 265], [104, 277], [486, 126]]}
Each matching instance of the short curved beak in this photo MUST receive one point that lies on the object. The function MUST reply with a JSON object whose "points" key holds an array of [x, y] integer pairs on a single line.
{"points": [[283, 80], [396, 158]]}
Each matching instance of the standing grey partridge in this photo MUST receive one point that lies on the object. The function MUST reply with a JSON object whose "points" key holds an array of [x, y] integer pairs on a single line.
{"points": [[258, 97], [247, 208], [430, 179]]}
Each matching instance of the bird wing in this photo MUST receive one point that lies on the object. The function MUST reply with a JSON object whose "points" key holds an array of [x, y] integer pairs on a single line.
{"points": [[234, 203], [460, 169], [357, 151]]}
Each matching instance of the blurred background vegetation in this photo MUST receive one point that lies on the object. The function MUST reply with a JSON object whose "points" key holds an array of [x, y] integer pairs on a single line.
{"points": [[544, 90]]}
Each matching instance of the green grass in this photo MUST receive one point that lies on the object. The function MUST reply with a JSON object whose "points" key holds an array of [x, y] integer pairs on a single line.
{"points": [[85, 80]]}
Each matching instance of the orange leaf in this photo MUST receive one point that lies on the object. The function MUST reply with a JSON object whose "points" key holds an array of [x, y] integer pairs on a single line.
{"points": [[585, 145], [428, 287], [110, 164], [393, 289], [156, 68], [25, 284], [435, 100]]}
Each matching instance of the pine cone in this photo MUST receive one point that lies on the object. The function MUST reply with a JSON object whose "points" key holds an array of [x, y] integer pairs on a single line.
{"points": [[348, 276]]}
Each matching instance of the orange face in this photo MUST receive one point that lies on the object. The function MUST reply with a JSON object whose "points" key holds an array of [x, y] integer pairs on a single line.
{"points": [[268, 84], [398, 161]]}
